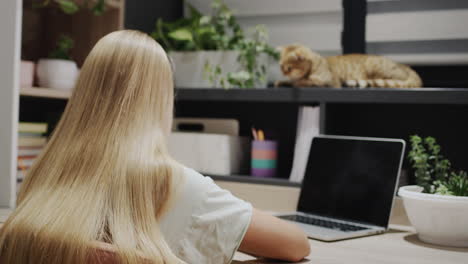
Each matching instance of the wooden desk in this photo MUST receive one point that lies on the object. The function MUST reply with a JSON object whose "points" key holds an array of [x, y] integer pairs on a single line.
{"points": [[398, 246], [395, 247]]}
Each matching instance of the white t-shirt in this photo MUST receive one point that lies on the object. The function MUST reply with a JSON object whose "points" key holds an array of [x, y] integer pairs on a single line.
{"points": [[206, 224]]}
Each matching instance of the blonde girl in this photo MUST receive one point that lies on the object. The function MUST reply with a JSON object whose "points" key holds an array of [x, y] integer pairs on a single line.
{"points": [[106, 189]]}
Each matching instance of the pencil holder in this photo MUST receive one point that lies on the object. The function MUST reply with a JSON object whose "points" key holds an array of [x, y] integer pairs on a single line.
{"points": [[264, 156]]}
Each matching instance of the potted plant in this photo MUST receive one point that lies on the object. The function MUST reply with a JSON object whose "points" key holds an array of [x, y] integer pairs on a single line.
{"points": [[438, 205], [213, 51], [70, 7], [58, 71]]}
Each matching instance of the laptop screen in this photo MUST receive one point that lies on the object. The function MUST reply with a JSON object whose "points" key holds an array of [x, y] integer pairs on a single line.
{"points": [[351, 179]]}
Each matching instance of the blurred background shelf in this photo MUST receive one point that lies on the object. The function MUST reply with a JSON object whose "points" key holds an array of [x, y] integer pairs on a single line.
{"points": [[301, 95], [255, 180], [44, 93], [332, 95]]}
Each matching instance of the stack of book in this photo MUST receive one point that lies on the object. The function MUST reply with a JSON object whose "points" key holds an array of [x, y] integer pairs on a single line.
{"points": [[31, 141]]}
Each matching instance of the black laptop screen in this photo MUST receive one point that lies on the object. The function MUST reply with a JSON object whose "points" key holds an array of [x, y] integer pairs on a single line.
{"points": [[351, 179]]}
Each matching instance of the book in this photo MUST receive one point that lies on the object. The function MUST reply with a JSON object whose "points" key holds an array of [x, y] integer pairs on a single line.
{"points": [[31, 141], [29, 151], [26, 162], [29, 134], [308, 126], [35, 128], [20, 174]]}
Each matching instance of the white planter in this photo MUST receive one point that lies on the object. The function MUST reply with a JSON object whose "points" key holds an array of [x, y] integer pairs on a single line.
{"points": [[438, 219], [57, 74], [190, 67]]}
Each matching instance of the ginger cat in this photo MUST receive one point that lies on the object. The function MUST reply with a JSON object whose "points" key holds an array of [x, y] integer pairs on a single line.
{"points": [[305, 68]]}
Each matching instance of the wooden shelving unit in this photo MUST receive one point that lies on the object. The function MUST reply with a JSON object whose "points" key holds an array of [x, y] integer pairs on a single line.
{"points": [[379, 112], [255, 180], [301, 95], [371, 112], [31, 33], [329, 95]]}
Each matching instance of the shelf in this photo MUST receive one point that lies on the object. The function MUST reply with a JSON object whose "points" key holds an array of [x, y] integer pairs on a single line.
{"points": [[385, 95], [332, 95], [45, 93], [302, 95], [239, 95], [255, 180]]}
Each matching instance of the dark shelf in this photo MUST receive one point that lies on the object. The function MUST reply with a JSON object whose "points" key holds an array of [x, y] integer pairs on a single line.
{"points": [[329, 95], [385, 95], [255, 180], [239, 95]]}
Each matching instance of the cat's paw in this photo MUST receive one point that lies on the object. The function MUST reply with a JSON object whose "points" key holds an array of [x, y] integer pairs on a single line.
{"points": [[392, 84], [400, 84], [362, 83], [380, 83], [351, 83]]}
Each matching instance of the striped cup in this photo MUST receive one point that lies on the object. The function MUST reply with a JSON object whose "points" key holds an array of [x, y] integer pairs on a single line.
{"points": [[264, 156]]}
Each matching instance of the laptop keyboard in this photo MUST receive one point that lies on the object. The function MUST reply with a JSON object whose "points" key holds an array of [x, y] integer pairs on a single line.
{"points": [[323, 223]]}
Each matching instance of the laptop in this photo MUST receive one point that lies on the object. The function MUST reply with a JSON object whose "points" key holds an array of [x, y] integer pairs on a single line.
{"points": [[348, 187]]}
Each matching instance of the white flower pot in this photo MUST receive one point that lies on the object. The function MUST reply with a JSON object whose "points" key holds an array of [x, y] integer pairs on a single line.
{"points": [[438, 219], [190, 67], [57, 74]]}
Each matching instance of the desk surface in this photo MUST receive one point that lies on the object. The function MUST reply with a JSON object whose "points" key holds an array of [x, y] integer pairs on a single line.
{"points": [[399, 245], [394, 247]]}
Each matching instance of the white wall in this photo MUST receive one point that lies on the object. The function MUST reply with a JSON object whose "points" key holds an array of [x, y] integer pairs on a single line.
{"points": [[10, 28], [420, 31], [315, 23]]}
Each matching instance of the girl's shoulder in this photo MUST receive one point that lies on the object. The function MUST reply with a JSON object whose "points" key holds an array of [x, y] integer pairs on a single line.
{"points": [[200, 212]]}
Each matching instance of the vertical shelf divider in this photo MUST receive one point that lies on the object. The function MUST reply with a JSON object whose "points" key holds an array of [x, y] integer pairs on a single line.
{"points": [[10, 26]]}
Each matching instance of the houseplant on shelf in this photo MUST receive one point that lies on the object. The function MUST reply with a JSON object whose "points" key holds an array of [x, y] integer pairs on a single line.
{"points": [[70, 7], [58, 71], [438, 205], [213, 51]]}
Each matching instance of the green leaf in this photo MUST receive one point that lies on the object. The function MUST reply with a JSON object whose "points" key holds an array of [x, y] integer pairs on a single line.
{"points": [[205, 20], [37, 4], [181, 34], [68, 6], [99, 8], [62, 50]]}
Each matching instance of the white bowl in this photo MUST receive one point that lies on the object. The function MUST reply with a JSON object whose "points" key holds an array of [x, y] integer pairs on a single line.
{"points": [[438, 219], [57, 74]]}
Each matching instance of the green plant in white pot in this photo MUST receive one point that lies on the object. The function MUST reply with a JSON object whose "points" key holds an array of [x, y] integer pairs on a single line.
{"points": [[58, 71], [438, 205], [213, 51]]}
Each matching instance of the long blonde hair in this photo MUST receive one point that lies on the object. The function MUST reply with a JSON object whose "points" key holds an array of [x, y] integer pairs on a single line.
{"points": [[105, 174]]}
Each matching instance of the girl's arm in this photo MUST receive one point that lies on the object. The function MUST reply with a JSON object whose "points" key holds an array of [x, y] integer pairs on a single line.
{"points": [[271, 237]]}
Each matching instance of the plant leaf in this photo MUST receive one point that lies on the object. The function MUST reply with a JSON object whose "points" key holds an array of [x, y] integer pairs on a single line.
{"points": [[99, 8], [181, 34], [68, 6]]}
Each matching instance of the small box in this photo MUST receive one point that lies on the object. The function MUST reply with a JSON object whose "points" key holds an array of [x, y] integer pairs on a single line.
{"points": [[210, 145], [212, 154]]}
